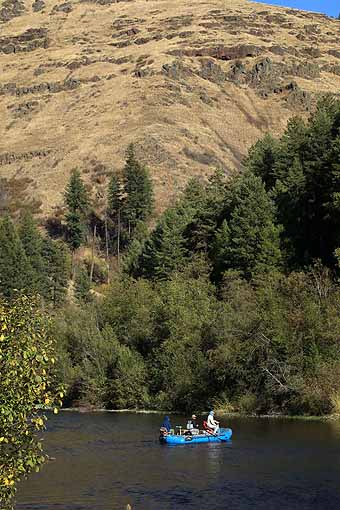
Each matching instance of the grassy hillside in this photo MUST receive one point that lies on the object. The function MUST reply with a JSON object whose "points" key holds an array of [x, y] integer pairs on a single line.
{"points": [[193, 84]]}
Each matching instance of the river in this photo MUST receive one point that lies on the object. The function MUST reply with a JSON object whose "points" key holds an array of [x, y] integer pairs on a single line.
{"points": [[103, 461]]}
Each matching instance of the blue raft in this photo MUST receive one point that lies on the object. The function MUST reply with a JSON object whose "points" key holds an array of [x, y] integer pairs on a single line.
{"points": [[174, 439]]}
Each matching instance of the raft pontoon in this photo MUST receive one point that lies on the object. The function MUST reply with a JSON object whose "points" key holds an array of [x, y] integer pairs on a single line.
{"points": [[204, 437]]}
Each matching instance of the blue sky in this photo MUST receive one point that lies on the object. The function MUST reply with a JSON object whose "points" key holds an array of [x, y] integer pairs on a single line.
{"points": [[330, 7]]}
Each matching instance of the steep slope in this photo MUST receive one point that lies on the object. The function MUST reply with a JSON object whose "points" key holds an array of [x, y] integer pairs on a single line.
{"points": [[192, 83]]}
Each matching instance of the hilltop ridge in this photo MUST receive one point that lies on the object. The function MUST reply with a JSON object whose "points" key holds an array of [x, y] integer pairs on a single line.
{"points": [[192, 84]]}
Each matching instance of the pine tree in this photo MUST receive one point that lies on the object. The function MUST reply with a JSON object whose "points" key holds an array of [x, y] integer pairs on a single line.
{"points": [[165, 251], [82, 284], [207, 202], [262, 158], [15, 269], [57, 263], [308, 186], [114, 198], [138, 188], [32, 243], [77, 203], [114, 214], [248, 240]]}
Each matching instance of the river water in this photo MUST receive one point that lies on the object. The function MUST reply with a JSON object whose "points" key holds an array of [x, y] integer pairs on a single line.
{"points": [[103, 461]]}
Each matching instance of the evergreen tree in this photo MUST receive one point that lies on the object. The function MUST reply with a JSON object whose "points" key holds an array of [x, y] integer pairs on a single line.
{"points": [[57, 267], [77, 203], [15, 269], [304, 179], [165, 251], [32, 243], [114, 214], [262, 158], [138, 188], [114, 198], [207, 203], [82, 284], [248, 239]]}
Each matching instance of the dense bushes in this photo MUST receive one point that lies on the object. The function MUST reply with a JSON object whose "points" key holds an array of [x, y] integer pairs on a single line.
{"points": [[268, 345]]}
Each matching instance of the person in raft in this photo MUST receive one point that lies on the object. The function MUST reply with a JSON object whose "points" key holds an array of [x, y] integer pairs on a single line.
{"points": [[195, 424], [166, 425], [192, 425], [212, 423]]}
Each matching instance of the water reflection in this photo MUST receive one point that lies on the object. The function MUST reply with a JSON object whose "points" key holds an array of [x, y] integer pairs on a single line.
{"points": [[104, 461]]}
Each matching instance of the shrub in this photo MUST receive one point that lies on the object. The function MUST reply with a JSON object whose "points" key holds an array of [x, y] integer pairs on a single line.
{"points": [[247, 403], [27, 367]]}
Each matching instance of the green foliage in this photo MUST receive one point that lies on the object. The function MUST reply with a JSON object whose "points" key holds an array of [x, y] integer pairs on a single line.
{"points": [[77, 203], [32, 263], [57, 264], [135, 249], [82, 284], [32, 242], [138, 203], [27, 377], [127, 385], [15, 269], [247, 403], [86, 353], [231, 300], [114, 198], [302, 172], [248, 240], [165, 251]]}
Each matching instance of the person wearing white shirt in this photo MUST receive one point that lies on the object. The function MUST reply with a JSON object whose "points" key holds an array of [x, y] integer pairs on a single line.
{"points": [[213, 424]]}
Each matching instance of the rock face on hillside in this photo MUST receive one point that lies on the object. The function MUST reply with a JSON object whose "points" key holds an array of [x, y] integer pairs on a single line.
{"points": [[192, 84]]}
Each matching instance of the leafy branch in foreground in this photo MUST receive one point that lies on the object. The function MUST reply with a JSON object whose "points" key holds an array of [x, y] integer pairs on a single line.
{"points": [[26, 386]]}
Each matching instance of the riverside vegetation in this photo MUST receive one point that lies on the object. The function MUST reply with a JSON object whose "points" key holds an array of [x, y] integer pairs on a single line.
{"points": [[231, 300]]}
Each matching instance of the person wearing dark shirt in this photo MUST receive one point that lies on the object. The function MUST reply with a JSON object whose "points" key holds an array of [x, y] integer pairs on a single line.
{"points": [[166, 424]]}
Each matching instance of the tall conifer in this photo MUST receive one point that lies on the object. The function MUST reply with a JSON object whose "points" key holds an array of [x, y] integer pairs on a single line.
{"points": [[138, 188], [15, 269], [57, 266], [77, 203], [32, 243], [248, 240]]}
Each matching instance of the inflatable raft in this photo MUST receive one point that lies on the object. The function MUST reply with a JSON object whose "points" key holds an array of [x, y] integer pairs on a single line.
{"points": [[174, 439]]}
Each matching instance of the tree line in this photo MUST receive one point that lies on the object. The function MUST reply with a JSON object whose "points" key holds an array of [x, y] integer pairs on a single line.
{"points": [[232, 299]]}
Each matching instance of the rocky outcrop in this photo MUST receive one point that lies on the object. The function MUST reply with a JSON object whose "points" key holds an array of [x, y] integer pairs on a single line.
{"points": [[176, 70], [221, 52], [65, 7], [38, 5], [23, 109], [8, 158], [212, 72], [11, 9], [104, 2], [334, 53], [52, 87], [30, 40]]}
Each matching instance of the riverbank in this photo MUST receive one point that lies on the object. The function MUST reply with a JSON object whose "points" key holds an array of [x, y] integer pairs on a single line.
{"points": [[329, 417]]}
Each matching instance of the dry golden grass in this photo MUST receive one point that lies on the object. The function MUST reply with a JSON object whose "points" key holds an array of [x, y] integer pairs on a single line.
{"points": [[182, 127]]}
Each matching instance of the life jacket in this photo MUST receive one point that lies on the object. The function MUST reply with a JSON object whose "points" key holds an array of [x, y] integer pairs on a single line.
{"points": [[206, 427]]}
